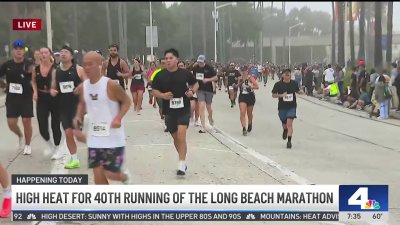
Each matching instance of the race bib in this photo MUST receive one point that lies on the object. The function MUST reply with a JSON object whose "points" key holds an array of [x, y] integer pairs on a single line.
{"points": [[199, 76], [67, 87], [15, 88], [245, 92], [176, 103], [149, 88], [230, 87], [288, 98], [137, 76], [100, 129]]}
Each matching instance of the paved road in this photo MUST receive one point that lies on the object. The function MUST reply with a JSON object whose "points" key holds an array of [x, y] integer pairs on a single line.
{"points": [[330, 147]]}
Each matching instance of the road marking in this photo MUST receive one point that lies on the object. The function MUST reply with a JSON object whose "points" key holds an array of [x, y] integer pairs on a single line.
{"points": [[283, 170]]}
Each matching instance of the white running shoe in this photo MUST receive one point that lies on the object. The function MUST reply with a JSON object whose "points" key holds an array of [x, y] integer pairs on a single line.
{"points": [[27, 150], [128, 180], [56, 153]]}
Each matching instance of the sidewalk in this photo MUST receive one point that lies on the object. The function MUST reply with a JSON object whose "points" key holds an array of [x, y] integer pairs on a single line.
{"points": [[331, 104]]}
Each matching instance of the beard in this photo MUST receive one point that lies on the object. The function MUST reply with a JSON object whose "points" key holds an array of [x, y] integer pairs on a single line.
{"points": [[114, 55]]}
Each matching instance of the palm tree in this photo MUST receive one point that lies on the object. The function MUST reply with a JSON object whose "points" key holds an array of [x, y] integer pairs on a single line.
{"points": [[341, 57], [361, 50], [352, 54], [389, 33], [333, 52], [109, 29], [378, 34]]}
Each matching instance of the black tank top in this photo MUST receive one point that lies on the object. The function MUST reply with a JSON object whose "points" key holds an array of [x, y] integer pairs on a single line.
{"points": [[249, 90], [112, 72], [67, 81], [137, 77], [18, 79], [43, 83]]}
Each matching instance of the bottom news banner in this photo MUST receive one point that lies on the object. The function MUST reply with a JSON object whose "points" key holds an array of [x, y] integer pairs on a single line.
{"points": [[70, 198]]}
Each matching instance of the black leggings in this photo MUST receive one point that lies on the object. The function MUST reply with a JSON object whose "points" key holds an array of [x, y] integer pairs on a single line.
{"points": [[45, 106]]}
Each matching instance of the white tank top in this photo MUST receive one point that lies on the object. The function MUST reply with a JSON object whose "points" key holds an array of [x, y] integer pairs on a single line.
{"points": [[101, 111]]}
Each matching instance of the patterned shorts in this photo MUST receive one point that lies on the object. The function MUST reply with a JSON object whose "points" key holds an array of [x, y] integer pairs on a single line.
{"points": [[110, 158]]}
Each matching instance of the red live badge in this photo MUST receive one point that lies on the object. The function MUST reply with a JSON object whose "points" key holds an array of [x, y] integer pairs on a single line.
{"points": [[27, 24]]}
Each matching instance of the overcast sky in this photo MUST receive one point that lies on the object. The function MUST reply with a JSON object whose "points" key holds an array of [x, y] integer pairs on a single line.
{"points": [[327, 7]]}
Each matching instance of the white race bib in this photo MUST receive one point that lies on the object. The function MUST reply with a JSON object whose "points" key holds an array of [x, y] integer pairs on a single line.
{"points": [[67, 87], [230, 87], [176, 103], [100, 129], [149, 88], [244, 91], [137, 76], [288, 98], [199, 76], [15, 88]]}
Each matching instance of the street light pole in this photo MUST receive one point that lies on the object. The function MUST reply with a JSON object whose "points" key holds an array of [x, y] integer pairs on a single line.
{"points": [[151, 34], [215, 15], [215, 31], [48, 26], [290, 29]]}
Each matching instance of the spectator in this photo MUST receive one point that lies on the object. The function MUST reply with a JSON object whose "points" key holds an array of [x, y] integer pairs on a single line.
{"points": [[353, 84], [317, 78], [382, 94], [393, 75], [329, 76], [297, 75], [362, 101], [372, 80], [362, 78], [396, 84], [339, 79], [308, 80]]}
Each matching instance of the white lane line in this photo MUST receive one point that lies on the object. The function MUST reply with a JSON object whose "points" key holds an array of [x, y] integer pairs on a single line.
{"points": [[285, 171]]}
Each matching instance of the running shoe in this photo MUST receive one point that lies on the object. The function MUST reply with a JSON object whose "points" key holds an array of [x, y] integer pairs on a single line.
{"points": [[73, 164]]}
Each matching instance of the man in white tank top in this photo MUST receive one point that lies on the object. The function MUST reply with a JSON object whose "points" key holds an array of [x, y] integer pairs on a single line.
{"points": [[105, 103]]}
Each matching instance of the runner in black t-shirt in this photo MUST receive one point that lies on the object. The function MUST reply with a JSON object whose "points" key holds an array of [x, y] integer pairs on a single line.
{"points": [[171, 85], [232, 76], [19, 103], [286, 90], [205, 75]]}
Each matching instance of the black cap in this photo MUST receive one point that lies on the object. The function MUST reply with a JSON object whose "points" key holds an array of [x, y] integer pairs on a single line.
{"points": [[18, 43], [286, 70], [66, 47]]}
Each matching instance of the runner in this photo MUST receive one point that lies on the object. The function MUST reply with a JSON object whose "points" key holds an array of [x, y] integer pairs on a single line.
{"points": [[265, 74], [137, 85], [159, 100], [5, 183], [64, 81], [233, 76], [57, 58], [205, 75], [106, 103], [152, 99], [45, 104], [116, 68], [19, 103], [286, 90], [247, 99], [194, 106], [220, 76], [171, 86], [36, 57]]}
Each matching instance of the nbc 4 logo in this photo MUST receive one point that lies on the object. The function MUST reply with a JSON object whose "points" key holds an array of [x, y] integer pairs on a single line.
{"points": [[360, 197]]}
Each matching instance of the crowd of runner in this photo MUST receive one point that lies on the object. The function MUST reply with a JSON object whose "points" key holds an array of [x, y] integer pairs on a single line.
{"points": [[183, 91]]}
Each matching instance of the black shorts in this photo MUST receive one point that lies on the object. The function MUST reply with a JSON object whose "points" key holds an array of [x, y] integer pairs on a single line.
{"points": [[19, 108], [172, 121], [67, 116], [110, 158], [249, 99]]}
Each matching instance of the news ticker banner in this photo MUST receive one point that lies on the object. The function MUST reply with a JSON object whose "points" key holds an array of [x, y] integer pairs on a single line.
{"points": [[70, 198]]}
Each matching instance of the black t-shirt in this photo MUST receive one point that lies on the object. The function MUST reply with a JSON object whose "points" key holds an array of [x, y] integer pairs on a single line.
{"points": [[201, 73], [363, 75], [290, 88], [18, 77], [176, 82], [233, 76]]}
